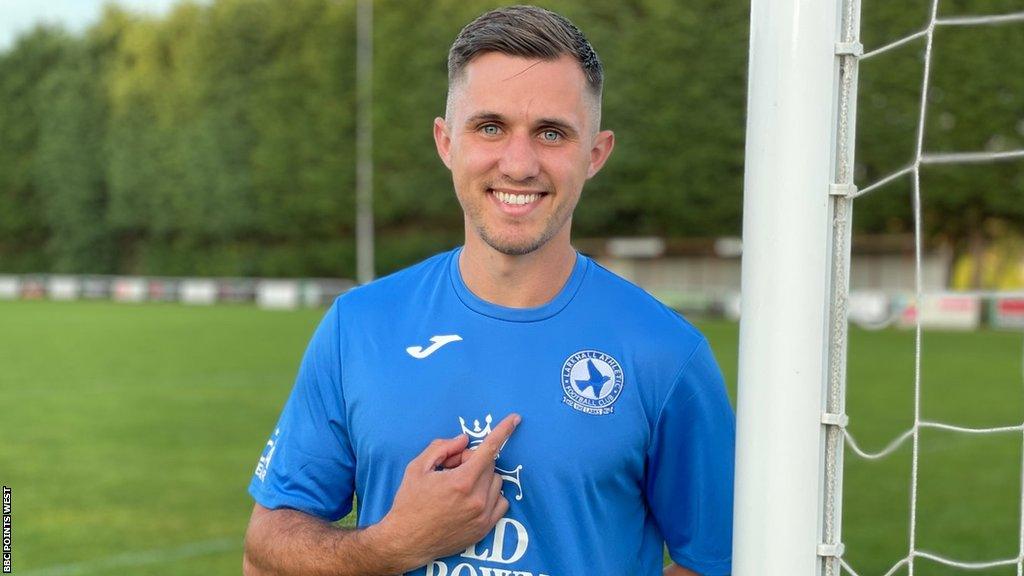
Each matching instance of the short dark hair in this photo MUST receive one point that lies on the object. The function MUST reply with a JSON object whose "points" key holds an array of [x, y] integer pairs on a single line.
{"points": [[528, 32]]}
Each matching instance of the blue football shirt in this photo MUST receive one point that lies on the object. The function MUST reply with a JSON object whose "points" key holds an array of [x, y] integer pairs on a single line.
{"points": [[627, 437]]}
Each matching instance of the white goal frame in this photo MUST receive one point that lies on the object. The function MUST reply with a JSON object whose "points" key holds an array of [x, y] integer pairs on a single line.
{"points": [[796, 226]]}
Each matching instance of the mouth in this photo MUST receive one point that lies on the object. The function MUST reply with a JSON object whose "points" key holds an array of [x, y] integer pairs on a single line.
{"points": [[516, 202]]}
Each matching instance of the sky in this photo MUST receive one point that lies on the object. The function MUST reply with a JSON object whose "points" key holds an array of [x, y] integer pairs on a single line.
{"points": [[19, 16]]}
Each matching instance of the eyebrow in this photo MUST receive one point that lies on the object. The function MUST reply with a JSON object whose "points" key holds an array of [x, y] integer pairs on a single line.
{"points": [[484, 117], [487, 116]]}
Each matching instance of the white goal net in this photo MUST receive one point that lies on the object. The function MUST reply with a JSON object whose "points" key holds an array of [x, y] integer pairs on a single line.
{"points": [[994, 148]]}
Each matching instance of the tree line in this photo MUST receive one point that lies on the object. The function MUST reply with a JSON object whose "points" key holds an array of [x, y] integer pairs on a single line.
{"points": [[219, 139]]}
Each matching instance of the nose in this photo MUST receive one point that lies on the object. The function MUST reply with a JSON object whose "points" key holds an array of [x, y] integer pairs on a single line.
{"points": [[519, 159]]}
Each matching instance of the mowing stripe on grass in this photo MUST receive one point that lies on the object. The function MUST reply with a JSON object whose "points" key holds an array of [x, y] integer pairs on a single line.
{"points": [[140, 558]]}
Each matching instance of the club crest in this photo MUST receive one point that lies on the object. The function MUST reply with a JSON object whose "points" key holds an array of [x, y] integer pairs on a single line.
{"points": [[591, 382]]}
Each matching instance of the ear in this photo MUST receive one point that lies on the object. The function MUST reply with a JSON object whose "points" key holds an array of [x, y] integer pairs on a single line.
{"points": [[602, 149], [443, 141]]}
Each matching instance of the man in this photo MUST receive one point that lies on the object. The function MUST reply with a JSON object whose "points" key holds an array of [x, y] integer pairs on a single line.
{"points": [[591, 426]]}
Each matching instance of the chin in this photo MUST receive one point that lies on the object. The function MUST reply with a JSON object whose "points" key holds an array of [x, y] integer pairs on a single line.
{"points": [[513, 249], [512, 246]]}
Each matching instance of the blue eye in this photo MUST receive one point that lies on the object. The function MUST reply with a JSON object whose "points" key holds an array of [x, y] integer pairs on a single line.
{"points": [[550, 136], [489, 129]]}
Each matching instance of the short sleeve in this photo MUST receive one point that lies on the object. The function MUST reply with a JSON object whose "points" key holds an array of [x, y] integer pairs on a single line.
{"points": [[689, 484], [308, 463]]}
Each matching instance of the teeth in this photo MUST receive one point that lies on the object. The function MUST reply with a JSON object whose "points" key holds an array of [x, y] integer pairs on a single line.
{"points": [[516, 199]]}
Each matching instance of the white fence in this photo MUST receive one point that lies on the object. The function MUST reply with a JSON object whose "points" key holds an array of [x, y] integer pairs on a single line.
{"points": [[868, 307], [267, 293]]}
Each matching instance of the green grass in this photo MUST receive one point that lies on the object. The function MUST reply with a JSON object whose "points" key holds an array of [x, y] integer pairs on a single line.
{"points": [[129, 429], [969, 487], [134, 428]]}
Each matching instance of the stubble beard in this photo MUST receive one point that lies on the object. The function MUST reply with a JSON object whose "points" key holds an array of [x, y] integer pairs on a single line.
{"points": [[511, 247]]}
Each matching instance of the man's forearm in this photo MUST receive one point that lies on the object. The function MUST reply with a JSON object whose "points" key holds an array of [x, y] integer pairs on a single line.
{"points": [[287, 542], [435, 513]]}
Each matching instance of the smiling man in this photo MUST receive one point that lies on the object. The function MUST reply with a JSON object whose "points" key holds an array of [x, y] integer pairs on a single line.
{"points": [[591, 426]]}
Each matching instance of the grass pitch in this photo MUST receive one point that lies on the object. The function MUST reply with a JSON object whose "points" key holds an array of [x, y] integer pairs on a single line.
{"points": [[130, 432]]}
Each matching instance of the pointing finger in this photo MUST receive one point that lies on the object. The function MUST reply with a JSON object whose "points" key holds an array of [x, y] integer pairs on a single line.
{"points": [[488, 450]]}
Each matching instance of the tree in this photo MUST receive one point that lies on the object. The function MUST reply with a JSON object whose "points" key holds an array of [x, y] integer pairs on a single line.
{"points": [[24, 228]]}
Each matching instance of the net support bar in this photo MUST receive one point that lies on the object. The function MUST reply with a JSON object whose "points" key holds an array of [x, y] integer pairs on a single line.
{"points": [[785, 286]]}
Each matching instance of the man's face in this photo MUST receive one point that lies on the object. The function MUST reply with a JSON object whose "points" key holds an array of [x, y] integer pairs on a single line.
{"points": [[520, 140]]}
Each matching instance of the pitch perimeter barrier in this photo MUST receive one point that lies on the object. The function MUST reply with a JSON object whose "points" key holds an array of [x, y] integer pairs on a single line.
{"points": [[1006, 312], [870, 309], [272, 293]]}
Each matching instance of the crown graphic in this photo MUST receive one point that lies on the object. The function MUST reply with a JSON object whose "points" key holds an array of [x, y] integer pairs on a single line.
{"points": [[476, 434]]}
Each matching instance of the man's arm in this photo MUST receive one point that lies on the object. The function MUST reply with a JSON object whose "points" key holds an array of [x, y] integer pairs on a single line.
{"points": [[286, 541], [449, 498], [674, 569], [690, 472]]}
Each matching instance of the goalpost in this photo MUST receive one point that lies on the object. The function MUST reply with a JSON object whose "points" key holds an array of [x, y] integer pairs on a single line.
{"points": [[799, 153], [798, 195]]}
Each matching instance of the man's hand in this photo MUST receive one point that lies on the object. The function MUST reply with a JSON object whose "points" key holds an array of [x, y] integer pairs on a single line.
{"points": [[450, 497], [677, 570]]}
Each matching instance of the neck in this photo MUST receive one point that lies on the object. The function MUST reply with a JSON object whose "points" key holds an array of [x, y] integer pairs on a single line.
{"points": [[525, 281]]}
